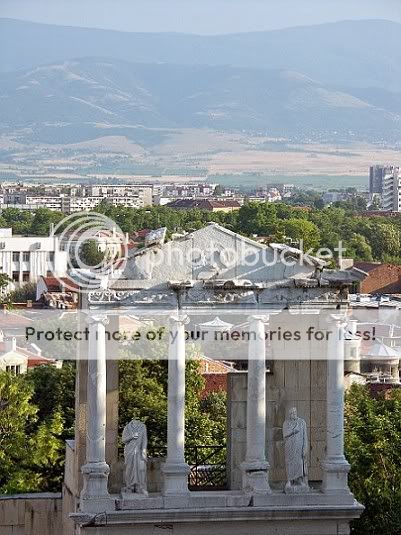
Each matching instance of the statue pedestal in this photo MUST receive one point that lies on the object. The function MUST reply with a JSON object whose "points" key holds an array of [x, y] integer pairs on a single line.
{"points": [[303, 488], [133, 500], [255, 477]]}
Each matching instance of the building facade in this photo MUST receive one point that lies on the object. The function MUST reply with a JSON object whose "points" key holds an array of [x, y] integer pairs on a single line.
{"points": [[391, 190], [377, 175], [77, 199], [26, 258]]}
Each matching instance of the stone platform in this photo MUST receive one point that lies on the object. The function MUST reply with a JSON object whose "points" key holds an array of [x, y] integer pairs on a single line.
{"points": [[191, 500], [193, 519], [230, 499]]}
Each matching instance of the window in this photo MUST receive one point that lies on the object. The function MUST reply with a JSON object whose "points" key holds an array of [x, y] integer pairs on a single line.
{"points": [[15, 370], [15, 257], [51, 257], [26, 256], [25, 276], [15, 276]]}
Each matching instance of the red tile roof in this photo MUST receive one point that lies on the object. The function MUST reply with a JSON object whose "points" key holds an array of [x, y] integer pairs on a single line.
{"points": [[33, 358], [204, 204], [53, 284], [39, 361], [10, 320], [367, 266]]}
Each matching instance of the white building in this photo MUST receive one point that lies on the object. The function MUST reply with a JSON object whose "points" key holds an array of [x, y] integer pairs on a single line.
{"points": [[53, 202], [391, 196], [143, 192], [17, 360], [25, 258], [79, 199]]}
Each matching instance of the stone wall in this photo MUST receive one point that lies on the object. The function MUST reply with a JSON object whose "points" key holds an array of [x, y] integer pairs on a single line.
{"points": [[292, 383], [31, 514]]}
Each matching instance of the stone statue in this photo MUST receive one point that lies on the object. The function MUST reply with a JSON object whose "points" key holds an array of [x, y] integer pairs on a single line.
{"points": [[296, 451], [135, 456]]}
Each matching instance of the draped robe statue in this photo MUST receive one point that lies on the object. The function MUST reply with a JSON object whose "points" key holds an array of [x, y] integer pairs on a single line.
{"points": [[296, 451], [135, 456]]}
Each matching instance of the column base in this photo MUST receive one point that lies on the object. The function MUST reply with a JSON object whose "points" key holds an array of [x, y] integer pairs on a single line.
{"points": [[335, 475], [95, 496], [255, 477], [175, 479]]}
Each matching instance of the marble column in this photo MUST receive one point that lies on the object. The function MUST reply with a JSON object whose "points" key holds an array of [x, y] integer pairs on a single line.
{"points": [[95, 497], [335, 466], [255, 468], [175, 469]]}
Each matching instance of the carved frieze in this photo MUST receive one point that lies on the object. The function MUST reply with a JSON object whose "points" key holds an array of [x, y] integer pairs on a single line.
{"points": [[205, 296], [133, 297]]}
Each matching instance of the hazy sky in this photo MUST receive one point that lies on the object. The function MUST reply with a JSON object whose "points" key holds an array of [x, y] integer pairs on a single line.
{"points": [[197, 16]]}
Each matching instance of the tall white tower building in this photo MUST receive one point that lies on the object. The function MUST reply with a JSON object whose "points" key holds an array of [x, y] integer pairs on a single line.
{"points": [[391, 197]]}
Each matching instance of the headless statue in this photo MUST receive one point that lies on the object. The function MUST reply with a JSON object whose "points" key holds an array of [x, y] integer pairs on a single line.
{"points": [[135, 457], [296, 451]]}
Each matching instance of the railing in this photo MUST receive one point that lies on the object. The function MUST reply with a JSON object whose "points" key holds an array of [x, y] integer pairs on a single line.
{"points": [[207, 464], [208, 467]]}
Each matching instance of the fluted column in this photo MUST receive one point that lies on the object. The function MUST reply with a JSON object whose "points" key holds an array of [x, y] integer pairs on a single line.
{"points": [[255, 468], [335, 466], [95, 496], [176, 470]]}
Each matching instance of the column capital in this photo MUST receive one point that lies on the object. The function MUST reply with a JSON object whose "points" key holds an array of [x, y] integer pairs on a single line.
{"points": [[183, 319], [259, 317], [339, 319], [93, 319]]}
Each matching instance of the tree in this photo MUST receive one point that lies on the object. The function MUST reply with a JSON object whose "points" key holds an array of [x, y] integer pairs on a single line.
{"points": [[376, 203], [257, 218], [17, 414], [48, 454], [301, 229], [90, 253], [307, 198], [40, 467], [43, 220], [358, 248], [355, 204], [31, 453], [218, 190], [54, 392], [4, 282], [19, 220], [25, 293], [143, 395], [385, 240], [373, 447]]}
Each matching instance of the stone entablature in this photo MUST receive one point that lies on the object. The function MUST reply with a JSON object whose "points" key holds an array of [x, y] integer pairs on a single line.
{"points": [[200, 293]]}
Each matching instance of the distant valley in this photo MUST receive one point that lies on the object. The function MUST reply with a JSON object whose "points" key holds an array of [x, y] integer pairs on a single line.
{"points": [[122, 104]]}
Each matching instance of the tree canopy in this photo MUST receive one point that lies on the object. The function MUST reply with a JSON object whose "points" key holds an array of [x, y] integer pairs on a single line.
{"points": [[364, 237], [373, 448]]}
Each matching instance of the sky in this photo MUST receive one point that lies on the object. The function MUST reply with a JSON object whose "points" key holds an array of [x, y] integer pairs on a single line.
{"points": [[197, 16]]}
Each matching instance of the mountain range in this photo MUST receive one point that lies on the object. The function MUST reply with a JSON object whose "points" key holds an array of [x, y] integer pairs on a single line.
{"points": [[332, 81]]}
